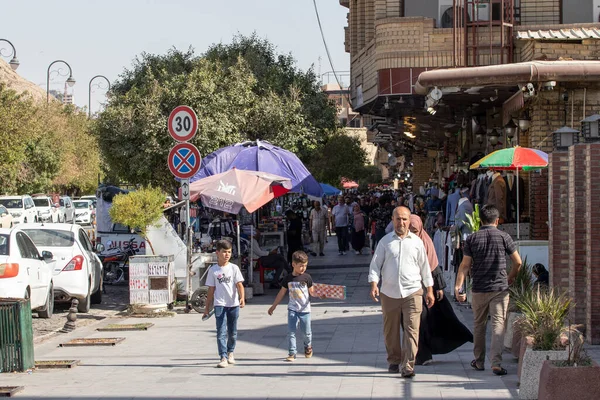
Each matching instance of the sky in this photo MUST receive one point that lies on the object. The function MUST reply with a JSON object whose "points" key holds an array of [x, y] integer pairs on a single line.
{"points": [[102, 37]]}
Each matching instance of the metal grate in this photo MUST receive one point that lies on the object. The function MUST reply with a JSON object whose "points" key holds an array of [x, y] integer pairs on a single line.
{"points": [[16, 335]]}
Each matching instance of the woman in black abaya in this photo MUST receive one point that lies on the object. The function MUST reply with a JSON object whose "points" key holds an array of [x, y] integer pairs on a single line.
{"points": [[440, 332]]}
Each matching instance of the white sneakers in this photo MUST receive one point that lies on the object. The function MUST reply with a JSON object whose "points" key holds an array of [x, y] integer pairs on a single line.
{"points": [[225, 362], [230, 358]]}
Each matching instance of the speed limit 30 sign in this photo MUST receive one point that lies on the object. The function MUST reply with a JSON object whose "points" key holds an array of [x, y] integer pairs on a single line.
{"points": [[183, 123]]}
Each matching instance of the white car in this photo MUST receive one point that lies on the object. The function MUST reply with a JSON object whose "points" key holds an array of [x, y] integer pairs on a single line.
{"points": [[78, 270], [66, 209], [92, 198], [21, 208], [47, 211], [24, 274], [84, 211], [6, 220]]}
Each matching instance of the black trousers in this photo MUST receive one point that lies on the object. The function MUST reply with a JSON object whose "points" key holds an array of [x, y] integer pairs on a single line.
{"points": [[342, 236]]}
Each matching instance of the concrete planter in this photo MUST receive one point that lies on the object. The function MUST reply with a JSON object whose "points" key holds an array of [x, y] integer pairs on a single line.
{"points": [[558, 383], [526, 341], [508, 335], [531, 367]]}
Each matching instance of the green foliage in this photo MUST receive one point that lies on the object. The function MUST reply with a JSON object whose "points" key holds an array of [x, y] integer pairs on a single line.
{"points": [[45, 147], [473, 220], [522, 285], [544, 314], [240, 91], [341, 156], [138, 210]]}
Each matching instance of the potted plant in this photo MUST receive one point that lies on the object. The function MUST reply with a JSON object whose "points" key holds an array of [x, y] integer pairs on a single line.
{"points": [[522, 286], [577, 377], [544, 315], [151, 277]]}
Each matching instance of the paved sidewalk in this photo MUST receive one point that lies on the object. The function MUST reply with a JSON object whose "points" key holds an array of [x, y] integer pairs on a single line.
{"points": [[176, 359]]}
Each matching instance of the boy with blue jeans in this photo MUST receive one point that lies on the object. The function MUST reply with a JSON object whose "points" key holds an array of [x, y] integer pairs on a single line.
{"points": [[300, 286], [226, 291]]}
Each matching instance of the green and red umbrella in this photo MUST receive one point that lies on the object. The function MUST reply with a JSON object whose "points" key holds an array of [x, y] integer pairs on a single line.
{"points": [[514, 159]]}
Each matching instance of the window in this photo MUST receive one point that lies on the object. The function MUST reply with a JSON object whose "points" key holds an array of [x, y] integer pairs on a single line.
{"points": [[4, 248], [26, 248], [3, 210], [85, 241], [11, 203], [51, 238], [41, 202]]}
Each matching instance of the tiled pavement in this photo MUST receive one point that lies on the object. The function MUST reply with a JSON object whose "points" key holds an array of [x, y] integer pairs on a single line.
{"points": [[176, 359]]}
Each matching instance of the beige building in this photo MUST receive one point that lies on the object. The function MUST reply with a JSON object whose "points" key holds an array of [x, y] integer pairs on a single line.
{"points": [[439, 81]]}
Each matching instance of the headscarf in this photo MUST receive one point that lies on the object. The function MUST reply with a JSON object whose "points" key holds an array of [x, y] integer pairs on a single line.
{"points": [[417, 224], [359, 219]]}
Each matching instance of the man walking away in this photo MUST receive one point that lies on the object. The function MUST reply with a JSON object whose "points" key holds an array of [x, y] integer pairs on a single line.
{"points": [[341, 215], [318, 222], [401, 260], [485, 258]]}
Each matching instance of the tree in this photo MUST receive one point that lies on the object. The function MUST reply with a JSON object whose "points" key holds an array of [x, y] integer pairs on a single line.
{"points": [[138, 210], [45, 147], [235, 98], [341, 156]]}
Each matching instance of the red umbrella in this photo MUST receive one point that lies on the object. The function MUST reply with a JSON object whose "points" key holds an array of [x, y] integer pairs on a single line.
{"points": [[231, 190]]}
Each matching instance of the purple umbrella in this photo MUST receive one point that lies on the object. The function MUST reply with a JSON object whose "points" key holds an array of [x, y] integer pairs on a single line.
{"points": [[264, 157]]}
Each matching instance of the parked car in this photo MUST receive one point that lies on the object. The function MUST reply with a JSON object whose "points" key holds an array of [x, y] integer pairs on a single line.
{"points": [[21, 208], [84, 211], [92, 198], [47, 211], [24, 274], [66, 209], [6, 220], [78, 270]]}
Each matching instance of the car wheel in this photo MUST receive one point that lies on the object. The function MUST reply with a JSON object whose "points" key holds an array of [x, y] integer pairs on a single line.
{"points": [[198, 299], [85, 304], [49, 306], [97, 296]]}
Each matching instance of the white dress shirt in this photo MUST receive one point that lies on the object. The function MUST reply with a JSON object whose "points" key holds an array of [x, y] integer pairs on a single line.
{"points": [[402, 264]]}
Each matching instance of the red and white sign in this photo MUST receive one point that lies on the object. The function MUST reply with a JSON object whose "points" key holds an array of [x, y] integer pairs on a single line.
{"points": [[183, 123], [184, 160]]}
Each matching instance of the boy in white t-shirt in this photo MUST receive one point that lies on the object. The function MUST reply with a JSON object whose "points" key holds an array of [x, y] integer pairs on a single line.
{"points": [[226, 291]]}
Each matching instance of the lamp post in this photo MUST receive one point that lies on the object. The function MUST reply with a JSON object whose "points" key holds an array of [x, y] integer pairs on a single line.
{"points": [[90, 92], [14, 62], [70, 79]]}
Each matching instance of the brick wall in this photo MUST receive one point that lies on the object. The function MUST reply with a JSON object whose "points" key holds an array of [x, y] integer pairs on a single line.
{"points": [[535, 12], [592, 217], [558, 244], [421, 169], [538, 204], [577, 230]]}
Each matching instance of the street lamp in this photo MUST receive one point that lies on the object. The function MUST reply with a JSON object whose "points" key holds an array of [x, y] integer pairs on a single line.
{"points": [[70, 79], [90, 92], [14, 62]]}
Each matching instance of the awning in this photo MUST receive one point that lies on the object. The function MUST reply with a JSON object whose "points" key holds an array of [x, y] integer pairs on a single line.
{"points": [[510, 74]]}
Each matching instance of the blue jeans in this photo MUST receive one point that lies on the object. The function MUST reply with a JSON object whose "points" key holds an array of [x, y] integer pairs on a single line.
{"points": [[293, 318], [226, 335]]}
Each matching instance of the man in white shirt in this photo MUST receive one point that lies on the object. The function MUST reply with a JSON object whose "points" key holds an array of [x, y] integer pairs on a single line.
{"points": [[340, 216], [401, 260]]}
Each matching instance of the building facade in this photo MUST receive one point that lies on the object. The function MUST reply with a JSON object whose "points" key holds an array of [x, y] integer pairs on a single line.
{"points": [[444, 82]]}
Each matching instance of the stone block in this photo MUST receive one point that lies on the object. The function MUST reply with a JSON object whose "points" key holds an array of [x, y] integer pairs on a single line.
{"points": [[531, 367], [558, 383]]}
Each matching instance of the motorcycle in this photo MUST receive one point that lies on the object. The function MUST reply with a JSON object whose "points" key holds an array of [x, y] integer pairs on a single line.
{"points": [[115, 262]]}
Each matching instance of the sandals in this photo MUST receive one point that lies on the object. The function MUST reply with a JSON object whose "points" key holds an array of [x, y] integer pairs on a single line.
{"points": [[475, 366], [499, 371]]}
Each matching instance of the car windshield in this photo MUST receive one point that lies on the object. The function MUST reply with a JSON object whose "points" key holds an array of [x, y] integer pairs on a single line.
{"points": [[51, 238], [81, 204], [41, 202], [12, 203], [4, 245]]}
